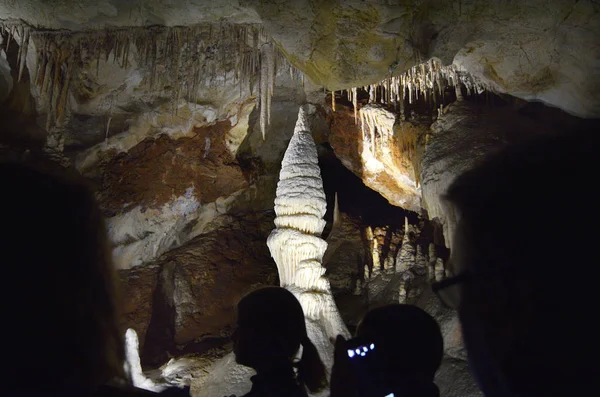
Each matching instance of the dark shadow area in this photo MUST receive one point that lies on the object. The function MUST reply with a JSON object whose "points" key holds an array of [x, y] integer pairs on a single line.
{"points": [[158, 343]]}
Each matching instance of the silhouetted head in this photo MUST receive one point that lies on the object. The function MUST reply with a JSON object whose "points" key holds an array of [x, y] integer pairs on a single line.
{"points": [[59, 328], [408, 339], [270, 330], [525, 246]]}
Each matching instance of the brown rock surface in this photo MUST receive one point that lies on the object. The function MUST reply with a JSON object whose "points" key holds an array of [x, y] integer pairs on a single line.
{"points": [[138, 286], [345, 138], [396, 181], [185, 302], [156, 170]]}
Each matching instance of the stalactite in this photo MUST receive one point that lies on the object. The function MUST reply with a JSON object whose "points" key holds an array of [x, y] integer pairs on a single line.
{"points": [[377, 127], [188, 58], [23, 48], [426, 81], [457, 90], [355, 104], [267, 84], [333, 100]]}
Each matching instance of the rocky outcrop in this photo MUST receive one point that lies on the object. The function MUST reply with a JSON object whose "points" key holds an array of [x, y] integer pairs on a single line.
{"points": [[168, 178], [155, 170], [184, 302], [380, 149], [171, 184]]}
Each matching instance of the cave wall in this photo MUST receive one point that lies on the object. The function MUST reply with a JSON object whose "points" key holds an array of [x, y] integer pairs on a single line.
{"points": [[187, 183]]}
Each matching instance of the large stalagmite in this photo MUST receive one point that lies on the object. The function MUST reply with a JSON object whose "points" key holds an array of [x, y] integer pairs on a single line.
{"points": [[298, 250], [296, 245]]}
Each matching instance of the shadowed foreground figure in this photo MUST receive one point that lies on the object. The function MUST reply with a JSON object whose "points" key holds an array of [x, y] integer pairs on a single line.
{"points": [[526, 270], [60, 333], [408, 349], [270, 330]]}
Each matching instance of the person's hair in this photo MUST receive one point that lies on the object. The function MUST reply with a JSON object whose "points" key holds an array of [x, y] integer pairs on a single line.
{"points": [[525, 214], [58, 298], [407, 336], [279, 327]]}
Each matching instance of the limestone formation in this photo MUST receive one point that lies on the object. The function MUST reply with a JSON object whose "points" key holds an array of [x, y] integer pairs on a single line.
{"points": [[382, 164], [428, 80], [440, 272], [406, 259], [133, 366], [179, 112], [295, 244]]}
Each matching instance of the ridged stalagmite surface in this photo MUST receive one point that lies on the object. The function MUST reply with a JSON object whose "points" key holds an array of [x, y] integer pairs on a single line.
{"points": [[295, 244]]}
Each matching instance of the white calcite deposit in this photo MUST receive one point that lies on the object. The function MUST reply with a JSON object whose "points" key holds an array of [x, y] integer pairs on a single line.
{"points": [[296, 245]]}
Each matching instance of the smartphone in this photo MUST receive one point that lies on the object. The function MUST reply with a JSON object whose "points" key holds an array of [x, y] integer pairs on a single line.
{"points": [[366, 366]]}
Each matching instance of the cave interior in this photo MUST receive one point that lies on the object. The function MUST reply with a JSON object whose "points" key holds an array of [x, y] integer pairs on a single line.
{"points": [[179, 114]]}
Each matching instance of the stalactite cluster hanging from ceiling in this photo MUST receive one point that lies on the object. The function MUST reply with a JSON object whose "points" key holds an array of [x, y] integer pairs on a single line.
{"points": [[182, 59], [428, 80], [19, 33]]}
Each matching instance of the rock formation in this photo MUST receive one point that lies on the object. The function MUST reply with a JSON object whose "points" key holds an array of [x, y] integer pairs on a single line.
{"points": [[298, 251], [133, 366], [296, 245], [179, 114]]}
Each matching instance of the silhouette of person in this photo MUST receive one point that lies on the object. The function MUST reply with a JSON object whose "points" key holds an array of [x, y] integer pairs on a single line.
{"points": [[61, 336], [59, 294], [526, 277], [270, 331], [409, 348]]}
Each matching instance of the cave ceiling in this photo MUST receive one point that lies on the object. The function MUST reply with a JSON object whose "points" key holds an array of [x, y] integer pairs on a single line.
{"points": [[535, 50]]}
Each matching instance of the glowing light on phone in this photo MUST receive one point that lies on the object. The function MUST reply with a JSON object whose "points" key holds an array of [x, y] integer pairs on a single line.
{"points": [[365, 349], [373, 347], [357, 351], [350, 353], [390, 395]]}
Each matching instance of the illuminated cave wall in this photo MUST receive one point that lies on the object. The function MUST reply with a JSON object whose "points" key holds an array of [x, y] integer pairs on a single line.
{"points": [[180, 119]]}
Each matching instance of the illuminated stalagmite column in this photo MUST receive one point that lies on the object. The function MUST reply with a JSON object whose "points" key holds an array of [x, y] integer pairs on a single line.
{"points": [[298, 249], [295, 244]]}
